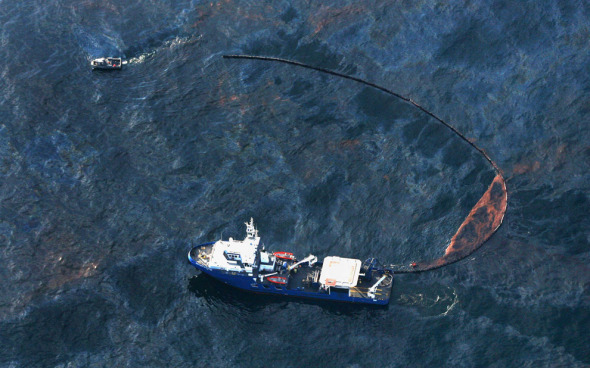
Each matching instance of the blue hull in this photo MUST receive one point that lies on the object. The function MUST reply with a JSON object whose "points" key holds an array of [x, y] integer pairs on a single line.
{"points": [[245, 282]]}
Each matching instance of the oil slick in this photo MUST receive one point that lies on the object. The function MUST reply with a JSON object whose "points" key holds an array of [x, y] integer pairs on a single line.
{"points": [[481, 223]]}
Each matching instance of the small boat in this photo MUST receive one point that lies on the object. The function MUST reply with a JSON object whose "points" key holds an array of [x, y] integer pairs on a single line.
{"points": [[281, 280], [285, 256], [107, 63], [247, 265]]}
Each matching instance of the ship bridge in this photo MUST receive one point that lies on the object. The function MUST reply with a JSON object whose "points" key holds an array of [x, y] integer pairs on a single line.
{"points": [[236, 255]]}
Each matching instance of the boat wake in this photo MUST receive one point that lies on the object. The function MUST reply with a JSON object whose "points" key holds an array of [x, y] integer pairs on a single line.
{"points": [[177, 41], [108, 42], [484, 218]]}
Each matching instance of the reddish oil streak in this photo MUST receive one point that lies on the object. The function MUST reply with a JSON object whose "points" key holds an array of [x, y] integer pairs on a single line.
{"points": [[483, 221]]}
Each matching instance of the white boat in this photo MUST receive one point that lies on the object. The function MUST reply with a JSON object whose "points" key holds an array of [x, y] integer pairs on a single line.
{"points": [[107, 63]]}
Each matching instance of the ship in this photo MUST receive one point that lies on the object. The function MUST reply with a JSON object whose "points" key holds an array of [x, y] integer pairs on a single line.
{"points": [[247, 265]]}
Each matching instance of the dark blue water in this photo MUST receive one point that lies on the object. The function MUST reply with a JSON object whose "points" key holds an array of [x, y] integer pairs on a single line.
{"points": [[107, 178]]}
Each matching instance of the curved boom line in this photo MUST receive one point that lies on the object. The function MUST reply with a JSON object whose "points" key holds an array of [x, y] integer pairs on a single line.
{"points": [[485, 217], [388, 91]]}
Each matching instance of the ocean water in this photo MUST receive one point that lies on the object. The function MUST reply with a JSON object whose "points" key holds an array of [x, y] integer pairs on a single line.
{"points": [[108, 178]]}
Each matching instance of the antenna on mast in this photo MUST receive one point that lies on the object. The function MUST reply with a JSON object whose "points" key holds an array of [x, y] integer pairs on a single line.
{"points": [[250, 229]]}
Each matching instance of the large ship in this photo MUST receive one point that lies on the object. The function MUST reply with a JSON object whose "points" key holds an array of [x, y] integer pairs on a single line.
{"points": [[247, 265]]}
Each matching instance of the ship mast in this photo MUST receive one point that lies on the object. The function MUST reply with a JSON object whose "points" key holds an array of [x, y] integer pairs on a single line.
{"points": [[251, 231]]}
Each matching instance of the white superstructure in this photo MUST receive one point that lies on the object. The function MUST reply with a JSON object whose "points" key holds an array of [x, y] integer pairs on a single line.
{"points": [[237, 255]]}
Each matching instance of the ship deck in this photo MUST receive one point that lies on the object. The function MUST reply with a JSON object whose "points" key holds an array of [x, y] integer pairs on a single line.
{"points": [[361, 290], [306, 279], [202, 254]]}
